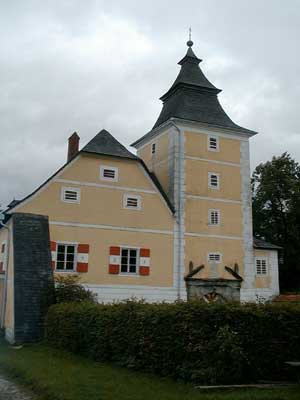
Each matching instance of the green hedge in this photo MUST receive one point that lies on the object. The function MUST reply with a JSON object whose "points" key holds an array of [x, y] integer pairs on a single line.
{"points": [[228, 343]]}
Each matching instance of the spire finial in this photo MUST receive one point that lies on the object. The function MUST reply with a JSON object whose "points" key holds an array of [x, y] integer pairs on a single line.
{"points": [[190, 42]]}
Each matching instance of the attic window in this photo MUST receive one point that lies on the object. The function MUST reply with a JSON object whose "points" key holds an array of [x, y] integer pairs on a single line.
{"points": [[153, 148], [213, 180], [108, 173], [261, 266], [213, 143], [132, 202], [71, 195], [214, 257]]}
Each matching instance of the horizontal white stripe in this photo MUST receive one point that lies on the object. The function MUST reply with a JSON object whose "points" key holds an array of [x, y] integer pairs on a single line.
{"points": [[102, 185], [83, 258], [130, 287], [53, 255], [192, 196], [213, 236], [213, 161], [110, 227], [114, 259], [145, 261]]}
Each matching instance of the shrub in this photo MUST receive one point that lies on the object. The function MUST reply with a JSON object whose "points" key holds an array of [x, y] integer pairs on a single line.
{"points": [[221, 343], [68, 289]]}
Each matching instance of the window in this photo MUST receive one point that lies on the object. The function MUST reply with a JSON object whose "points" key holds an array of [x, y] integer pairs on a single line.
{"points": [[71, 195], [214, 257], [213, 180], [153, 148], [213, 143], [132, 202], [3, 247], [108, 173], [66, 257], [214, 217], [261, 266], [129, 260]]}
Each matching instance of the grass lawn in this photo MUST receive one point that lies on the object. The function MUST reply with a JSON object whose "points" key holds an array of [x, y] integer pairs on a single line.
{"points": [[57, 375]]}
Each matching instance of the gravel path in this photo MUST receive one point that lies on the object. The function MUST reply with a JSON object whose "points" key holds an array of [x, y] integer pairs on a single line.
{"points": [[10, 391]]}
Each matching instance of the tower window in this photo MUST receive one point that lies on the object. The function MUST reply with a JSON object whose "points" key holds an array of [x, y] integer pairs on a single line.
{"points": [[214, 257], [153, 148], [108, 173], [213, 143], [261, 266], [213, 180], [214, 217]]}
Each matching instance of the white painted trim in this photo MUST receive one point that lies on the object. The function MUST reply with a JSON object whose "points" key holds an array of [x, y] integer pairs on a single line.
{"points": [[196, 197], [83, 258], [138, 199], [99, 185], [104, 178], [230, 164], [43, 186], [76, 190], [157, 134], [217, 149], [110, 227], [145, 261], [210, 174], [213, 236]]}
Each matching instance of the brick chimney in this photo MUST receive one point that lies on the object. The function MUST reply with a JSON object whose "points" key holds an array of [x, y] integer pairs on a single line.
{"points": [[73, 145]]}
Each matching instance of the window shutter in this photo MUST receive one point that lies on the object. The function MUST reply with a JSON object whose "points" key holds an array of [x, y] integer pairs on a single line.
{"points": [[114, 259], [144, 262], [83, 257], [53, 253]]}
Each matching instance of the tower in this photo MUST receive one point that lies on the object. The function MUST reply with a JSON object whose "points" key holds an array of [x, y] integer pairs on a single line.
{"points": [[201, 158]]}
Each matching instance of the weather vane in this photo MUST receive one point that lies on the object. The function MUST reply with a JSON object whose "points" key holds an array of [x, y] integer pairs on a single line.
{"points": [[190, 42]]}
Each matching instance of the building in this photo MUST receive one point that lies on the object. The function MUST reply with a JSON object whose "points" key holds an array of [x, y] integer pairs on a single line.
{"points": [[172, 222]]}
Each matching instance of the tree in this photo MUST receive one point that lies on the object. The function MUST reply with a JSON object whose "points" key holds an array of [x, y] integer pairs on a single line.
{"points": [[276, 213]]}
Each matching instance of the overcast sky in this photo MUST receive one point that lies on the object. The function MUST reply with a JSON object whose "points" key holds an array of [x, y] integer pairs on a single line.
{"points": [[74, 65]]}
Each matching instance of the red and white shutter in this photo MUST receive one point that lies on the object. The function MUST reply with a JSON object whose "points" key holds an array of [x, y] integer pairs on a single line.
{"points": [[53, 254], [83, 257], [144, 268], [114, 259]]}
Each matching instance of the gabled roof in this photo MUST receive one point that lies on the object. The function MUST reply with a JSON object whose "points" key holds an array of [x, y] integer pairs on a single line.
{"points": [[104, 143]]}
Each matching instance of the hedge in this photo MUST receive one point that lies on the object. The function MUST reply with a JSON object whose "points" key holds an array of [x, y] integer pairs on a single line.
{"points": [[195, 342]]}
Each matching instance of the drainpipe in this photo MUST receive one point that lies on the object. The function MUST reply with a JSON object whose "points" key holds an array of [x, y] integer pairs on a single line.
{"points": [[179, 208], [3, 311]]}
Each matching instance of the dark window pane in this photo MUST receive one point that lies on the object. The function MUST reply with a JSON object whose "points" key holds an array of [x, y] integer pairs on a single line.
{"points": [[61, 248], [124, 252], [132, 268], [124, 260], [60, 256], [132, 260], [69, 266], [124, 268], [70, 257], [71, 249], [132, 253], [60, 265]]}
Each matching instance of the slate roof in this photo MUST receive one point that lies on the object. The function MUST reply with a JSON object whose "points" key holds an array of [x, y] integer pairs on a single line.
{"points": [[192, 97], [104, 143], [262, 244]]}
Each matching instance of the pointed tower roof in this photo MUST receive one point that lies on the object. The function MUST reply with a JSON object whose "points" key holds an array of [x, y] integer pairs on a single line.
{"points": [[104, 143], [193, 97]]}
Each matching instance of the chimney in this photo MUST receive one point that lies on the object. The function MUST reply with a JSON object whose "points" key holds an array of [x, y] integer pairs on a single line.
{"points": [[73, 145]]}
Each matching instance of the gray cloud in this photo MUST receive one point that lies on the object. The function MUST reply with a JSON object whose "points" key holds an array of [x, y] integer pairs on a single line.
{"points": [[84, 66]]}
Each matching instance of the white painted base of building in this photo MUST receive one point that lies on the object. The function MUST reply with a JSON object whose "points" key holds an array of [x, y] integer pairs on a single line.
{"points": [[151, 294], [257, 295]]}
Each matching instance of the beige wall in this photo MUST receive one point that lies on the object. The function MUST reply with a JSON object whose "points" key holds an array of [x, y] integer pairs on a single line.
{"points": [[198, 247], [196, 146], [100, 240]]}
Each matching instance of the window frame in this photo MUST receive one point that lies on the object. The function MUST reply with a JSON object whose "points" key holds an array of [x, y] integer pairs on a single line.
{"points": [[67, 271], [267, 269], [127, 196], [64, 189], [105, 178], [210, 211], [210, 174], [217, 149], [214, 261], [128, 273]]}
